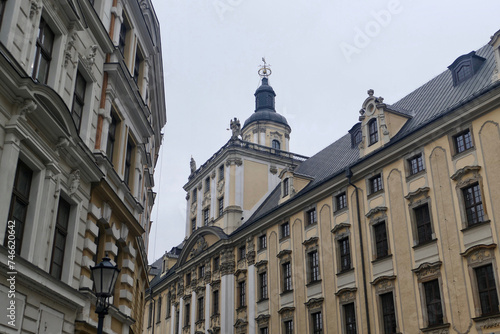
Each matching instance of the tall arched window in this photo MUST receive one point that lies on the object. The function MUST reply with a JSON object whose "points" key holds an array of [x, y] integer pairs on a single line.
{"points": [[373, 131], [276, 144]]}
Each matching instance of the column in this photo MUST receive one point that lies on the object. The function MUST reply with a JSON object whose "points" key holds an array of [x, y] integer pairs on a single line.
{"points": [[251, 298], [227, 304], [8, 166], [207, 306], [181, 314], [192, 318]]}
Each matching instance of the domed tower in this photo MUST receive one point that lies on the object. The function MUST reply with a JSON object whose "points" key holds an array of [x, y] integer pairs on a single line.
{"points": [[266, 127]]}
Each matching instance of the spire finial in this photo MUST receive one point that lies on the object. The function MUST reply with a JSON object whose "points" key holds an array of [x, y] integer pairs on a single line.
{"points": [[264, 70]]}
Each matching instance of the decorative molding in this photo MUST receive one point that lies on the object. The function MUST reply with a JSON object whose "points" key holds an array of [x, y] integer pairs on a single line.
{"points": [[376, 210], [199, 247], [273, 169], [417, 193], [286, 311], [490, 322], [74, 181], [346, 294], [263, 320], [479, 253], [310, 241], [234, 161], [215, 284], [340, 227], [459, 174], [283, 253], [384, 283], [314, 303], [428, 270], [261, 263]]}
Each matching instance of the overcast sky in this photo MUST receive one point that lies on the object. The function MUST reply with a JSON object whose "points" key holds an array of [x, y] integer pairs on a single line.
{"points": [[324, 55]]}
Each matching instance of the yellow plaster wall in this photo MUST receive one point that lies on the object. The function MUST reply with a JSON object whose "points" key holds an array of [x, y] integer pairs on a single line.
{"points": [[255, 183]]}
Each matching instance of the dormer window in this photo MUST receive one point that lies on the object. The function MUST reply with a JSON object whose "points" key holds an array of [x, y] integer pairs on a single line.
{"points": [[276, 144], [465, 67], [373, 131], [285, 187], [356, 135]]}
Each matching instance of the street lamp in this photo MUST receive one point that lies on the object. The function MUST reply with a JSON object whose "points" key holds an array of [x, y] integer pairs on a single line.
{"points": [[104, 276]]}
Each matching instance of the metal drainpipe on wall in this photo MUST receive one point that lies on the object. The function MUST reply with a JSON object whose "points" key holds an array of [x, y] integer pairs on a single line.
{"points": [[365, 289]]}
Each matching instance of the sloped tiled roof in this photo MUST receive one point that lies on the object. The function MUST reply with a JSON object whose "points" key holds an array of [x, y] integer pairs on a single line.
{"points": [[425, 104]]}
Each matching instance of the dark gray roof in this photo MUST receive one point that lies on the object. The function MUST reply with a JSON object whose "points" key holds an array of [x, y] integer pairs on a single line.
{"points": [[266, 115], [425, 104]]}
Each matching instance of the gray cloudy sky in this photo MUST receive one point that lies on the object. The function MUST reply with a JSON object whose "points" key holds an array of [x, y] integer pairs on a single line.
{"points": [[325, 55]]}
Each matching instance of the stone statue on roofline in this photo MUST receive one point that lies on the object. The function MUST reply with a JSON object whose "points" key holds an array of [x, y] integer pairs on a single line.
{"points": [[192, 164], [235, 128]]}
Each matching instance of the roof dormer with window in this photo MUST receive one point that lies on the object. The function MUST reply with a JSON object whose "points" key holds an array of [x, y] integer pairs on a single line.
{"points": [[465, 66], [379, 123]]}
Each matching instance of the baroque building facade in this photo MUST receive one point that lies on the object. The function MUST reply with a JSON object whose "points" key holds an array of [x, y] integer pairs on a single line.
{"points": [[393, 228], [82, 105]]}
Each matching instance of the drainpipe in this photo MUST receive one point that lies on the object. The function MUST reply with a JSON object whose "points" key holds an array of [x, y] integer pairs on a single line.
{"points": [[361, 245]]}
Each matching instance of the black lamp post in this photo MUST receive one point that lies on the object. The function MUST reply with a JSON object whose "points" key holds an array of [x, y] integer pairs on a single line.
{"points": [[104, 276]]}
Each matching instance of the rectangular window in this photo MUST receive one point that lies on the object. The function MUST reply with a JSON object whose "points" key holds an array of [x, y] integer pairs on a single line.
{"points": [[375, 184], [19, 205], [221, 172], [195, 195], [61, 231], [2, 10], [311, 217], [264, 330], [349, 318], [215, 302], [288, 325], [381, 245], [313, 266], [388, 313], [137, 65], [78, 99], [43, 52], [317, 322], [285, 230], [207, 184], [263, 242], [221, 206], [168, 306], [462, 141], [242, 253], [345, 254], [487, 290], [373, 131], [423, 224], [285, 187], [201, 308], [263, 285], [124, 28], [128, 161], [206, 216], [287, 276], [177, 321], [216, 263], [242, 294], [150, 314], [188, 279], [193, 225], [341, 201], [201, 271], [433, 303], [473, 204], [158, 310], [111, 136], [187, 310], [416, 164]]}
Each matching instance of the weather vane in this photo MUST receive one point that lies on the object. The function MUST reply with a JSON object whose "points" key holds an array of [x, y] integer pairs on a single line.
{"points": [[264, 70]]}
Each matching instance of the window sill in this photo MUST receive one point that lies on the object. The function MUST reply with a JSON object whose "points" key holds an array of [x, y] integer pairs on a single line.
{"points": [[471, 227], [284, 238], [241, 308], [379, 192], [286, 292], [486, 317], [382, 258], [463, 153], [200, 321], [261, 250], [263, 300], [434, 327], [425, 243], [345, 271], [340, 211], [313, 283], [309, 226], [412, 177]]}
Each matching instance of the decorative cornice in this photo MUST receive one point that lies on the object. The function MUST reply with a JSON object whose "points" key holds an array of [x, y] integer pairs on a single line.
{"points": [[340, 226], [463, 171], [314, 302], [286, 309], [240, 271], [383, 278], [311, 240], [475, 248], [347, 294], [283, 253], [376, 210], [261, 263], [420, 191], [427, 270], [263, 319]]}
